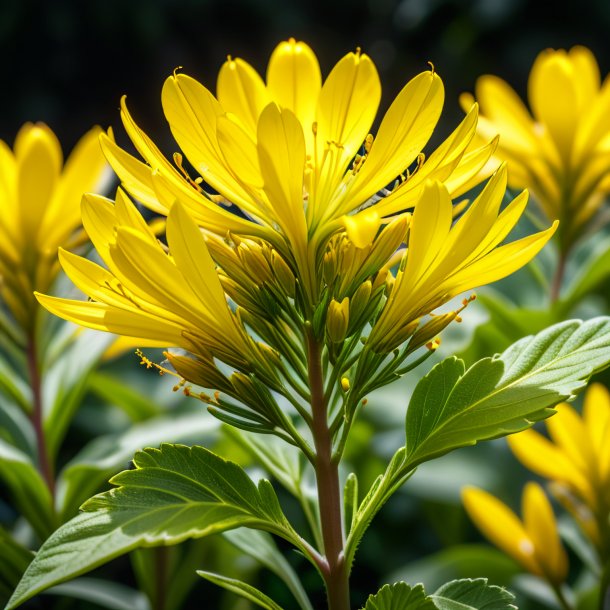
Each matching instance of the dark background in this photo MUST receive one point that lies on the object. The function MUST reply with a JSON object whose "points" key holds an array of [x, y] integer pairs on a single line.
{"points": [[67, 62]]}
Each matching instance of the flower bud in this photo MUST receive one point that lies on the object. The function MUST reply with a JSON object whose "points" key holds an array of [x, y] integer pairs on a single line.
{"points": [[337, 320]]}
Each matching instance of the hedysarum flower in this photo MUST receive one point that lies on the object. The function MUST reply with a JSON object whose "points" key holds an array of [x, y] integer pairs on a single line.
{"points": [[576, 459], [561, 151], [444, 259], [533, 542], [40, 210], [295, 154]]}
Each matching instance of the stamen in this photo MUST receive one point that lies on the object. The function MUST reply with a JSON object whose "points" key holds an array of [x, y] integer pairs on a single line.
{"points": [[194, 183], [432, 67], [149, 364]]}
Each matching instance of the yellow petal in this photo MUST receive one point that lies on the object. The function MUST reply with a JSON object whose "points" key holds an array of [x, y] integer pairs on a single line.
{"points": [[430, 227], [501, 262], [99, 219], [510, 117], [190, 252], [39, 158], [542, 457], [596, 415], [192, 113], [501, 526], [402, 135], [294, 82], [541, 527], [281, 154], [346, 109], [554, 98], [100, 316], [569, 433], [241, 91], [84, 171]]}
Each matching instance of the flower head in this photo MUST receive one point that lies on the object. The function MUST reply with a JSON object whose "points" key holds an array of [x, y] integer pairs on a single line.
{"points": [[575, 457], [561, 150], [533, 542], [295, 154], [41, 210]]}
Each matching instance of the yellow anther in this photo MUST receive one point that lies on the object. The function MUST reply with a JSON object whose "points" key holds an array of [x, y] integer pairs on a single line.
{"points": [[345, 384], [368, 142], [176, 70], [433, 70]]}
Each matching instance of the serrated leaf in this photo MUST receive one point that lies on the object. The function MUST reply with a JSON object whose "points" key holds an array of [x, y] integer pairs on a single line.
{"points": [[261, 547], [104, 456], [497, 396], [472, 594], [242, 589], [174, 493], [400, 596], [28, 489]]}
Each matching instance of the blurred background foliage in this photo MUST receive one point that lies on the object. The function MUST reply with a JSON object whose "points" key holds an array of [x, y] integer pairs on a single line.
{"points": [[68, 62]]}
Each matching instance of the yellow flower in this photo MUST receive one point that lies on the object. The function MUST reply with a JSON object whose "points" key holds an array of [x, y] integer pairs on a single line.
{"points": [[533, 542], [561, 151], [40, 211], [445, 259], [576, 458], [295, 154], [174, 299]]}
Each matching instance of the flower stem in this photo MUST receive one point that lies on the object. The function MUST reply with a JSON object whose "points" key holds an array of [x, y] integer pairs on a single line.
{"points": [[329, 490], [37, 416], [161, 557]]}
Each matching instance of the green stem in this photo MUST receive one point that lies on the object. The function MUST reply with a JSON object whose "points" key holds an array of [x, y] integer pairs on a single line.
{"points": [[37, 416], [558, 278], [329, 491]]}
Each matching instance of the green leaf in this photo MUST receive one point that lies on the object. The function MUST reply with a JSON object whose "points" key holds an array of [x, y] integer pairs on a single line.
{"points": [[242, 589], [594, 271], [350, 500], [104, 456], [28, 489], [472, 594], [174, 493], [117, 393], [381, 490], [65, 383], [104, 593], [14, 559], [14, 387], [16, 428], [400, 596], [261, 546], [497, 396]]}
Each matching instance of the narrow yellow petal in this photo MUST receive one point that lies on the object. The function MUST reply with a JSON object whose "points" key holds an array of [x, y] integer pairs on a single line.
{"points": [[569, 433], [501, 262], [281, 154], [100, 316], [501, 526], [596, 416], [541, 527], [542, 457], [402, 135], [188, 248], [241, 90], [294, 82], [346, 109], [504, 107], [84, 171], [99, 219], [554, 98], [39, 159]]}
